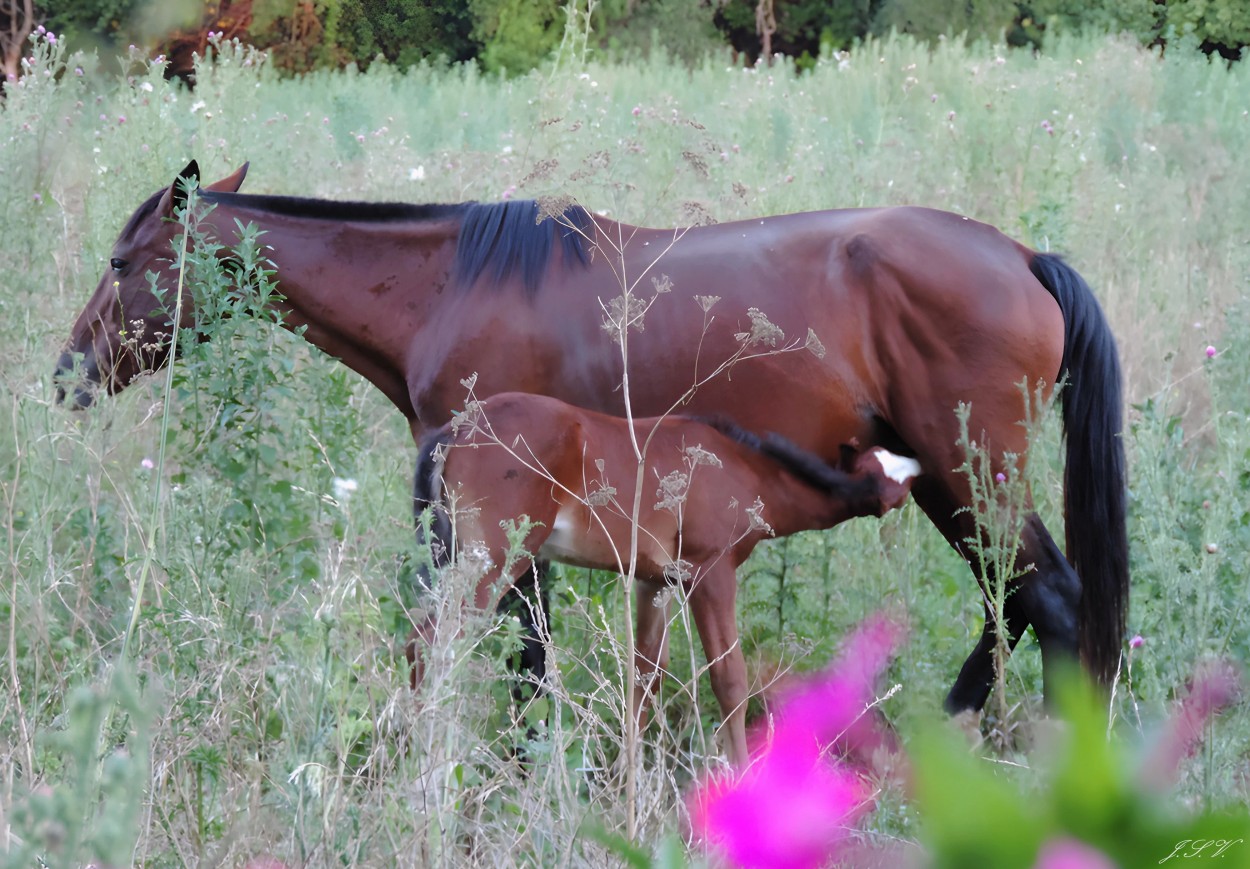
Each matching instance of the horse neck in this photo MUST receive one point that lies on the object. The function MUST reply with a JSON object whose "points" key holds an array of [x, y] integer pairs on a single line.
{"points": [[359, 291]]}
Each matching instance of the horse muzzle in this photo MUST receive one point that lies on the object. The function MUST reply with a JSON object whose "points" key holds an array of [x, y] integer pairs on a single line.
{"points": [[76, 384]]}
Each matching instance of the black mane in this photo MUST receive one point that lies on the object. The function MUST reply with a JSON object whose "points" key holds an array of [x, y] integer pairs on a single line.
{"points": [[336, 210], [808, 467], [502, 237], [511, 235]]}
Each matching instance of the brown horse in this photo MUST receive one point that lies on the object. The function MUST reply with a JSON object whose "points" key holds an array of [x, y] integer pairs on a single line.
{"points": [[573, 474], [909, 312]]}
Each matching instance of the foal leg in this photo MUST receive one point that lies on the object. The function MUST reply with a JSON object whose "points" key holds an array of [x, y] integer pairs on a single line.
{"points": [[712, 602], [650, 644], [530, 600]]}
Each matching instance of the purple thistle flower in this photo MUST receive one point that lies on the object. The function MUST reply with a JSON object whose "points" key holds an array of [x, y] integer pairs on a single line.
{"points": [[1211, 351], [1137, 642], [792, 808], [1000, 477]]}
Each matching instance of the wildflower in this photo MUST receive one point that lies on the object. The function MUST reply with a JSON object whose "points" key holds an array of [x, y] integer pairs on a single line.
{"points": [[791, 807], [508, 192], [933, 98], [1137, 642], [360, 138], [51, 38], [417, 174], [637, 111], [1215, 686], [1000, 477], [1071, 854], [950, 115], [37, 198], [1046, 125], [1213, 548], [41, 30], [1211, 351], [343, 488], [121, 119]]}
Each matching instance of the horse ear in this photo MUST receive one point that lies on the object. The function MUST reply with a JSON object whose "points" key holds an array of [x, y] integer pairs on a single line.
{"points": [[231, 183], [176, 195]]}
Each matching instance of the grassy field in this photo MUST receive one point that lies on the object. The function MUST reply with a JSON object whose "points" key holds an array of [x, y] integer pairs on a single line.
{"points": [[258, 707]]}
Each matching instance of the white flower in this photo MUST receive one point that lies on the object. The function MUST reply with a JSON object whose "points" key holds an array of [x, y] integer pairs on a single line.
{"points": [[417, 174], [343, 488]]}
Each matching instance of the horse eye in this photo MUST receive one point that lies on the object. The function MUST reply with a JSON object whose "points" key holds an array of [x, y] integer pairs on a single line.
{"points": [[117, 264]]}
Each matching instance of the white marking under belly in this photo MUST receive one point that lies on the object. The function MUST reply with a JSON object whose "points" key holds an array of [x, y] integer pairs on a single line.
{"points": [[567, 541], [900, 469]]}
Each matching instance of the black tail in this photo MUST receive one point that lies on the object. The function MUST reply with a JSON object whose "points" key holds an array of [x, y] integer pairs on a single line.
{"points": [[1094, 479], [863, 493], [427, 494]]}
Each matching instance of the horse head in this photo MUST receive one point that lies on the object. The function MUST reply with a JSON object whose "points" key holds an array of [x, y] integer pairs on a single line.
{"points": [[126, 327]]}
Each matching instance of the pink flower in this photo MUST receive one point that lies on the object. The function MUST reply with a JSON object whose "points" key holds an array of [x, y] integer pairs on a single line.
{"points": [[1000, 477], [1211, 351], [637, 111], [789, 810], [1137, 642], [1071, 854], [1050, 130], [508, 193], [792, 807], [1215, 686], [147, 464]]}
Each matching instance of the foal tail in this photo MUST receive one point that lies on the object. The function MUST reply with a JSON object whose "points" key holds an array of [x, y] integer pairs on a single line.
{"points": [[1094, 478], [428, 493]]}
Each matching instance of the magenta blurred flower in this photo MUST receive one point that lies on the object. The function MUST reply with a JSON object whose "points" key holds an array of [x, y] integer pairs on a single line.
{"points": [[637, 111], [1211, 351], [1137, 642], [1000, 477], [1215, 686], [1050, 130], [1071, 854], [789, 810], [792, 808]]}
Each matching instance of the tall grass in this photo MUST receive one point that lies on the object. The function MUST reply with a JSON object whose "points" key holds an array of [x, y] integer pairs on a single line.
{"points": [[262, 709]]}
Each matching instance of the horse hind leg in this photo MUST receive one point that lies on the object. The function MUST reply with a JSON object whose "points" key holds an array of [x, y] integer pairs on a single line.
{"points": [[712, 602], [651, 644], [1046, 598]]}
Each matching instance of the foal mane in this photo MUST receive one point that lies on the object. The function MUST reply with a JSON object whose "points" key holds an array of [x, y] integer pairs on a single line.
{"points": [[806, 466], [505, 237]]}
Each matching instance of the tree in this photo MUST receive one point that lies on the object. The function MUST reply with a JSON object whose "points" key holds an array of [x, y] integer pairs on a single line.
{"points": [[17, 22]]}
